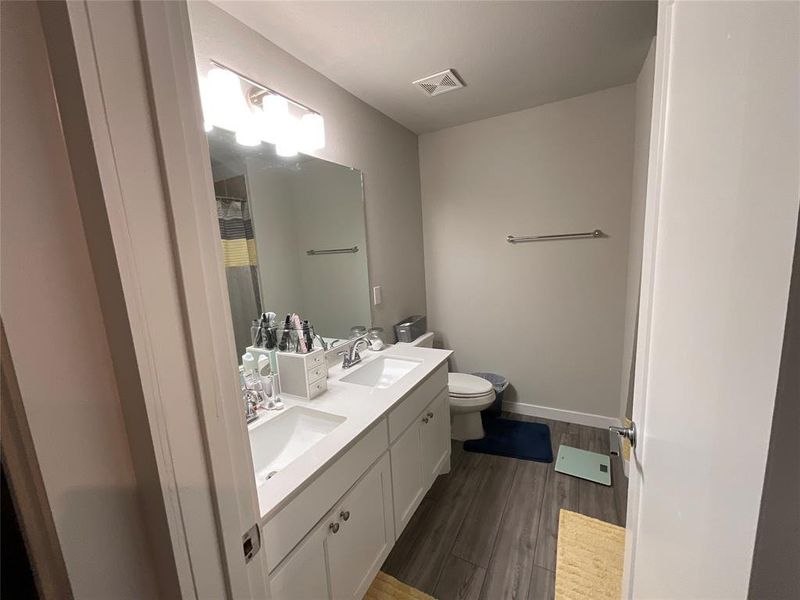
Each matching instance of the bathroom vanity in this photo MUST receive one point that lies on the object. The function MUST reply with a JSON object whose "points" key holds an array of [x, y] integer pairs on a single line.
{"points": [[340, 470], [339, 477]]}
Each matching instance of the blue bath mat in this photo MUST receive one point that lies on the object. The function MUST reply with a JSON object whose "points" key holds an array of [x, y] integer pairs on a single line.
{"points": [[514, 439]]}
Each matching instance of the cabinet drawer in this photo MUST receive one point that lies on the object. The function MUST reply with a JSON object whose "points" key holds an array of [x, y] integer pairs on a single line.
{"points": [[406, 412], [317, 372], [315, 388], [292, 522], [315, 360]]}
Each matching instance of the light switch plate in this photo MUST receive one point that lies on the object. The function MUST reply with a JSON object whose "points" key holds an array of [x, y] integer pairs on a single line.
{"points": [[377, 295]]}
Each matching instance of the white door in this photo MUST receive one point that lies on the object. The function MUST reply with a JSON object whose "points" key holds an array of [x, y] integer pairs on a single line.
{"points": [[722, 209]]}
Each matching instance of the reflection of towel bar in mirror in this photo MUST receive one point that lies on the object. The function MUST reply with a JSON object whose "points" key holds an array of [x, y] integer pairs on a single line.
{"points": [[352, 250], [516, 239]]}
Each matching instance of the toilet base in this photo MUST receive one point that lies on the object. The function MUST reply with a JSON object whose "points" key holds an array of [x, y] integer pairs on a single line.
{"points": [[466, 426]]}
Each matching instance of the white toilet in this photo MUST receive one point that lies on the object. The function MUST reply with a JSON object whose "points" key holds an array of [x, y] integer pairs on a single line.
{"points": [[469, 395]]}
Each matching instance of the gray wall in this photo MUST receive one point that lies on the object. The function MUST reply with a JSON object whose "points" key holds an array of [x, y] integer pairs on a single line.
{"points": [[776, 559], [357, 135], [548, 315]]}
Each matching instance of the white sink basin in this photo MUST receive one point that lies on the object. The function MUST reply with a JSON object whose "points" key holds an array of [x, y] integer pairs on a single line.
{"points": [[382, 372], [277, 442]]}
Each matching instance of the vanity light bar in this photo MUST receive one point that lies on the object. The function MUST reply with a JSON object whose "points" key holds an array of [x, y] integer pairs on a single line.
{"points": [[258, 114], [257, 96]]}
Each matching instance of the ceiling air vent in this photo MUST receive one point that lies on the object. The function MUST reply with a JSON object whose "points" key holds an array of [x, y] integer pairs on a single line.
{"points": [[433, 85]]}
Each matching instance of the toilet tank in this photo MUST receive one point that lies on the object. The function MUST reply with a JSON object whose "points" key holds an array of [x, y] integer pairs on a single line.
{"points": [[423, 341]]}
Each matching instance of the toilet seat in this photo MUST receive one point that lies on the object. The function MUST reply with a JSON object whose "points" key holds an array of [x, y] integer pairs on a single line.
{"points": [[460, 404], [468, 396], [462, 385]]}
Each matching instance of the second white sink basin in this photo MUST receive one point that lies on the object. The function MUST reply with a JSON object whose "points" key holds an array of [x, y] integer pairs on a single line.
{"points": [[382, 372], [277, 442]]}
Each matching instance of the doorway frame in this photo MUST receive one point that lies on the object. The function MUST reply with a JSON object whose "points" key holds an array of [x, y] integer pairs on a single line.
{"points": [[183, 413], [658, 116]]}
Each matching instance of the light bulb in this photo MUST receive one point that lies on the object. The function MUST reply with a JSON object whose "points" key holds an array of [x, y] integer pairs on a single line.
{"points": [[312, 132], [247, 136], [286, 145], [273, 118], [226, 103], [285, 149], [247, 129], [206, 102]]}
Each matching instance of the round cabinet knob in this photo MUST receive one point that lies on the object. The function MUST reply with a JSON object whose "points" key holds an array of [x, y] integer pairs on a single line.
{"points": [[345, 514], [425, 419], [334, 527], [430, 415]]}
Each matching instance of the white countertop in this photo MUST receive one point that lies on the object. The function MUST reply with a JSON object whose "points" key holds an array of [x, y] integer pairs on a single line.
{"points": [[361, 406]]}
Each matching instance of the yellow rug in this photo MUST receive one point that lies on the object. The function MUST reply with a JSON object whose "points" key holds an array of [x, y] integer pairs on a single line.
{"points": [[386, 587], [589, 558]]}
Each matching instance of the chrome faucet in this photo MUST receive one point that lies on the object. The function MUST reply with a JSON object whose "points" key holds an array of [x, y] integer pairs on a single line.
{"points": [[322, 342], [351, 356], [252, 401], [256, 395]]}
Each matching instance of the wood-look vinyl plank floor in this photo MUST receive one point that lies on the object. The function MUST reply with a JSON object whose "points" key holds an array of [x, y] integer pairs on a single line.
{"points": [[488, 529], [509, 572], [543, 584], [479, 529], [460, 580], [561, 491], [435, 535]]}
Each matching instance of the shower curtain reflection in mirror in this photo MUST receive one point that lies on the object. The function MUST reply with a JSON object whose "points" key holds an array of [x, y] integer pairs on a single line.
{"points": [[239, 250]]}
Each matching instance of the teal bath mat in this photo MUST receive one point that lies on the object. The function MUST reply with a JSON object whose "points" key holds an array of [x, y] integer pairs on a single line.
{"points": [[586, 465]]}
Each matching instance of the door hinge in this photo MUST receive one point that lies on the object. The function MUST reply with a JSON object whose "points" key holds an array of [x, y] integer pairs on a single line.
{"points": [[251, 542]]}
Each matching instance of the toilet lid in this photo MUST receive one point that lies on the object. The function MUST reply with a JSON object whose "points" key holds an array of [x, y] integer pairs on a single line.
{"points": [[466, 386]]}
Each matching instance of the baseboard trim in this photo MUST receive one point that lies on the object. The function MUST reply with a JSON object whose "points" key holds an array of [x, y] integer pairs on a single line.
{"points": [[559, 414]]}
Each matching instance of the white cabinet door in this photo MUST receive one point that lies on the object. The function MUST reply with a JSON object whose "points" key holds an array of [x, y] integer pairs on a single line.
{"points": [[303, 575], [435, 438], [408, 484], [362, 533]]}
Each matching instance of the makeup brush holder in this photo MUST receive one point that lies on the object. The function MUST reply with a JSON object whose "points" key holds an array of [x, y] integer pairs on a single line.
{"points": [[291, 339]]}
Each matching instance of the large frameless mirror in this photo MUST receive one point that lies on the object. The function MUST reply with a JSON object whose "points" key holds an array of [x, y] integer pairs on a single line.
{"points": [[294, 238]]}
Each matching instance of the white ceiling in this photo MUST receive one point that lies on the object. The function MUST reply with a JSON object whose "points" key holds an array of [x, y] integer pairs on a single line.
{"points": [[511, 55]]}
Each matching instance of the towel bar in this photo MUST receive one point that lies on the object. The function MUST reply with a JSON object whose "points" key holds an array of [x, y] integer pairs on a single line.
{"points": [[517, 239], [352, 250]]}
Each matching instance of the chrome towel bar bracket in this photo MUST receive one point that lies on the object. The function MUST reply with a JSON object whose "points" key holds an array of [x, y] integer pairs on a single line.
{"points": [[518, 239]]}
